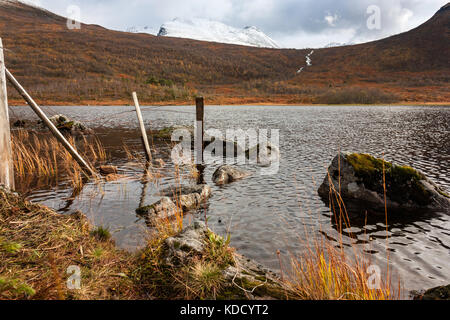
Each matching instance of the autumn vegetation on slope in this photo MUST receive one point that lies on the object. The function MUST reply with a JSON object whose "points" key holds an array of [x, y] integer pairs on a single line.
{"points": [[95, 65]]}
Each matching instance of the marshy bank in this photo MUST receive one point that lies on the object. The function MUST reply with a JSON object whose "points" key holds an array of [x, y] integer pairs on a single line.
{"points": [[255, 209], [46, 255]]}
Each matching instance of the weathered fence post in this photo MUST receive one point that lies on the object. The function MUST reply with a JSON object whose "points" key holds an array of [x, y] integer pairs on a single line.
{"points": [[200, 112], [6, 161], [83, 164], [144, 138], [199, 138]]}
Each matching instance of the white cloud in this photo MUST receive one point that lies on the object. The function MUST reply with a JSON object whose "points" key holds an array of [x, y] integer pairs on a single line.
{"points": [[296, 23], [331, 19]]}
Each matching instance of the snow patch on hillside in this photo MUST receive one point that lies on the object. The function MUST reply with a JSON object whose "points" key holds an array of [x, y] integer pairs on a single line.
{"points": [[308, 61], [144, 29], [214, 31]]}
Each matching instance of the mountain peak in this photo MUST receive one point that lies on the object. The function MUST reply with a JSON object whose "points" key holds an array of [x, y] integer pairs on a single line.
{"points": [[215, 31], [444, 8]]}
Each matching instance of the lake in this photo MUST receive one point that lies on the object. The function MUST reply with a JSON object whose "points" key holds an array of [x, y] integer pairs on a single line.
{"points": [[266, 213]]}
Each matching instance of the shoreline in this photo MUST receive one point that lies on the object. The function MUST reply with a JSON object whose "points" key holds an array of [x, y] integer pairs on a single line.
{"points": [[18, 103]]}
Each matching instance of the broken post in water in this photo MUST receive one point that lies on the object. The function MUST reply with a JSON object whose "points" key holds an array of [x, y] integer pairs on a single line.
{"points": [[6, 161], [144, 138], [83, 164], [199, 134]]}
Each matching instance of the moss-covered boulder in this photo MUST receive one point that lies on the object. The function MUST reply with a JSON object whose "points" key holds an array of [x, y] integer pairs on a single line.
{"points": [[364, 178], [67, 125], [166, 132], [438, 293]]}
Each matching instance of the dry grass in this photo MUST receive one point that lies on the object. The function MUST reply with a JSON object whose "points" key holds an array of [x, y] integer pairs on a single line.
{"points": [[327, 272], [37, 246], [39, 159]]}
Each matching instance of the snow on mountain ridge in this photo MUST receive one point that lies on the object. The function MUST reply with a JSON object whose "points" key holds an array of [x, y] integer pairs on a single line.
{"points": [[209, 30]]}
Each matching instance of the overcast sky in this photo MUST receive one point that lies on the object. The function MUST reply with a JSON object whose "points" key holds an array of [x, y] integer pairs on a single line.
{"points": [[291, 23]]}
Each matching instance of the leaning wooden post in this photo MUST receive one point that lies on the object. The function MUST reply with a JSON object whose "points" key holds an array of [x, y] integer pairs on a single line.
{"points": [[144, 138], [83, 164], [6, 161]]}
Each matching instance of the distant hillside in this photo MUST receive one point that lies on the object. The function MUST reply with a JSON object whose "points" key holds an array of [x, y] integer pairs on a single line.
{"points": [[95, 65]]}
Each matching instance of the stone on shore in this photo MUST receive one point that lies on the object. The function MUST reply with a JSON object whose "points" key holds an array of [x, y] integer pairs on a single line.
{"points": [[226, 174], [243, 278], [360, 177]]}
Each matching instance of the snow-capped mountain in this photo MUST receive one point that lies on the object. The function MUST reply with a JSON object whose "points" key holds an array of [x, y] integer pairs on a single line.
{"points": [[209, 30], [144, 29], [339, 44]]}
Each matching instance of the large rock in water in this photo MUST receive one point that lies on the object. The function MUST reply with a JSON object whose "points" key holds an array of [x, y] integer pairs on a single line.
{"points": [[361, 179], [438, 293], [227, 174]]}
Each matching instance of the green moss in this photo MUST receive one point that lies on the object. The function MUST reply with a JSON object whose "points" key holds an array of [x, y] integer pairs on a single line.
{"points": [[165, 133], [101, 233], [144, 210], [16, 287], [402, 182], [442, 193], [10, 247]]}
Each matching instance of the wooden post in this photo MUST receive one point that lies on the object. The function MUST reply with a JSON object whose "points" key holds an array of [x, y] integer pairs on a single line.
{"points": [[200, 112], [83, 164], [6, 161], [200, 144], [144, 138]]}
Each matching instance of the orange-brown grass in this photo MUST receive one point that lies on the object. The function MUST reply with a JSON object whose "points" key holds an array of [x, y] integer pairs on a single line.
{"points": [[327, 272], [39, 159]]}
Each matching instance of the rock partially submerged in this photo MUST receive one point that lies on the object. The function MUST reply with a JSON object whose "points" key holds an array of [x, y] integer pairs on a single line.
{"points": [[67, 125], [360, 177], [166, 133], [438, 293], [243, 278], [227, 174], [107, 169], [263, 153], [164, 208], [175, 201]]}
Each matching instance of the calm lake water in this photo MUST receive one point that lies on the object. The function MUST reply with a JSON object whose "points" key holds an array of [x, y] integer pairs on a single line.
{"points": [[269, 213]]}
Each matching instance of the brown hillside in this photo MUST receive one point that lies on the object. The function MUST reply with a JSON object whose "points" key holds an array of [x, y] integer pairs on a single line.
{"points": [[97, 65]]}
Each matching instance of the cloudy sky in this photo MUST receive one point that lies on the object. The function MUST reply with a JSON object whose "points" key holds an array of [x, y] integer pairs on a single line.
{"points": [[291, 23]]}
